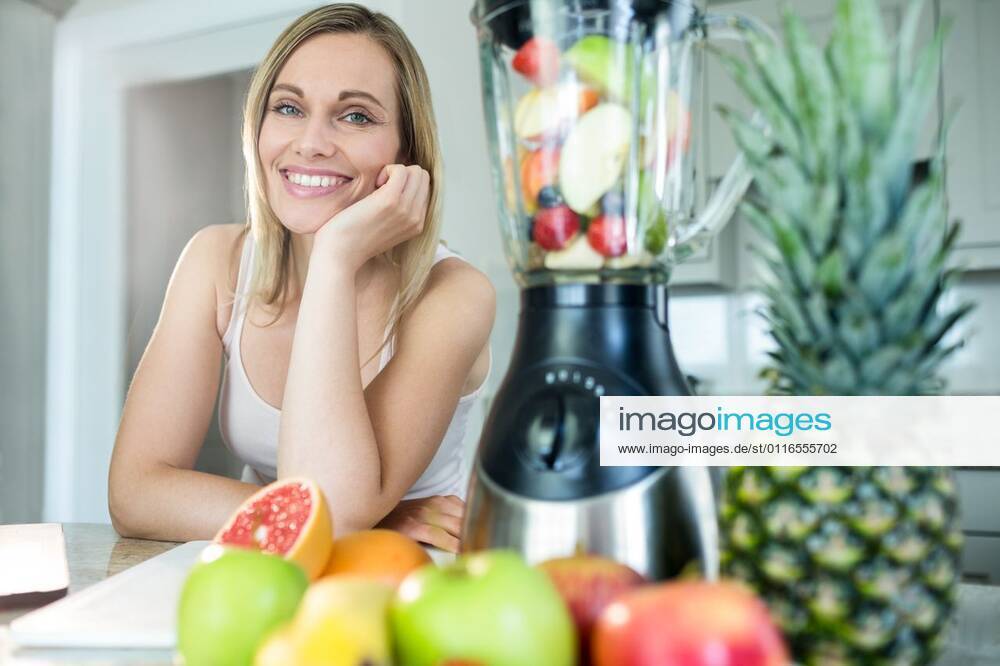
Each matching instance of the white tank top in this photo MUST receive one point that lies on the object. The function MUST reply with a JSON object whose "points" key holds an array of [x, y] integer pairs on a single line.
{"points": [[249, 424]]}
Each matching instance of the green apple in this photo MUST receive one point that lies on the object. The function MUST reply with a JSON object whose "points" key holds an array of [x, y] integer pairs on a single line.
{"points": [[607, 65], [594, 155], [231, 600], [488, 607]]}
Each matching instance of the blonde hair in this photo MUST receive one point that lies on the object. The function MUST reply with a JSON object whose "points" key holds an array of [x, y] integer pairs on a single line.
{"points": [[418, 145]]}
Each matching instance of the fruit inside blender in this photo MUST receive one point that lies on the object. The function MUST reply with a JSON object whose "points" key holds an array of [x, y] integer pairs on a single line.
{"points": [[575, 128]]}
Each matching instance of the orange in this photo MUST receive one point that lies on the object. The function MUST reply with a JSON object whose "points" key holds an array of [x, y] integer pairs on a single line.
{"points": [[289, 518], [382, 554]]}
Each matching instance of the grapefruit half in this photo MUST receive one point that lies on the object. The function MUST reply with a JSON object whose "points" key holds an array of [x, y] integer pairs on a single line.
{"points": [[289, 518]]}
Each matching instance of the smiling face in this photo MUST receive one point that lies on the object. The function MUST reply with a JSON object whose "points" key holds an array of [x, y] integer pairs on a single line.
{"points": [[331, 124]]}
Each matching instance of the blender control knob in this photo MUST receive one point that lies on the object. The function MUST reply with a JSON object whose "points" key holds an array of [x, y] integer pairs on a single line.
{"points": [[543, 438], [560, 429]]}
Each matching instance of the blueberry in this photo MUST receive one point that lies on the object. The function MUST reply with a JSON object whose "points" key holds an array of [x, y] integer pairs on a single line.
{"points": [[613, 203], [549, 197]]}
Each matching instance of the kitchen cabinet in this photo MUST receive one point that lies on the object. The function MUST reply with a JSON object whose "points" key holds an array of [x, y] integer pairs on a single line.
{"points": [[971, 77], [979, 492]]}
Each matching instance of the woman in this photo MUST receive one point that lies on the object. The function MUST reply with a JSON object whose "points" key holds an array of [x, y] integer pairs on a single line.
{"points": [[335, 302]]}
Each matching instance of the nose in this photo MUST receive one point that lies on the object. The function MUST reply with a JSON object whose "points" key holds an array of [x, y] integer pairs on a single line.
{"points": [[316, 139]]}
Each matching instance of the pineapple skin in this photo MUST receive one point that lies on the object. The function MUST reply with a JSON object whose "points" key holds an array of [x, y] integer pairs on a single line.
{"points": [[857, 565]]}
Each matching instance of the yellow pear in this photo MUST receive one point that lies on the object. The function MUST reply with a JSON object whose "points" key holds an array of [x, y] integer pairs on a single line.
{"points": [[342, 621], [278, 649]]}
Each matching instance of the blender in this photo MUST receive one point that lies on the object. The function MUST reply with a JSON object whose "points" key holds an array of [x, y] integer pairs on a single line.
{"points": [[591, 112]]}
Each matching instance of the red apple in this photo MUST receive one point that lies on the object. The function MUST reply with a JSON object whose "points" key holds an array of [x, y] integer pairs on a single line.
{"points": [[588, 583], [606, 234], [688, 623]]}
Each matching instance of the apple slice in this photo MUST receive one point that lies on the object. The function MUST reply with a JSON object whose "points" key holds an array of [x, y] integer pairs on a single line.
{"points": [[577, 256], [545, 111], [594, 155]]}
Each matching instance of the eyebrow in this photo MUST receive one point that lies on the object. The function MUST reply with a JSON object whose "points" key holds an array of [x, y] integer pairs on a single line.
{"points": [[344, 94]]}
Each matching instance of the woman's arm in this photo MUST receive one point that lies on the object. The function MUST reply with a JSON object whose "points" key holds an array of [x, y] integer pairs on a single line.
{"points": [[153, 491], [366, 447]]}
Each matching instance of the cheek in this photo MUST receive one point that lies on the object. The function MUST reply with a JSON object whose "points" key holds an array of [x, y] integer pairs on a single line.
{"points": [[378, 153], [268, 144]]}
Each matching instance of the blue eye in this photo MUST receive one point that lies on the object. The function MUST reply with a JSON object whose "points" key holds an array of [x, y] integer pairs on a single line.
{"points": [[364, 120], [285, 109]]}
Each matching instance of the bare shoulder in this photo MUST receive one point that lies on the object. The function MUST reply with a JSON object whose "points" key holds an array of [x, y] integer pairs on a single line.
{"points": [[213, 253], [457, 292], [458, 284]]}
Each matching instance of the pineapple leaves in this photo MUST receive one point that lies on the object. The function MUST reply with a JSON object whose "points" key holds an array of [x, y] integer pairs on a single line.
{"points": [[752, 140], [832, 275], [813, 96], [907, 36], [859, 56], [777, 118], [856, 257], [914, 102]]}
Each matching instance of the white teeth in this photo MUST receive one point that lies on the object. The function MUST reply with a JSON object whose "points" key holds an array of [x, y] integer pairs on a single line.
{"points": [[312, 181]]}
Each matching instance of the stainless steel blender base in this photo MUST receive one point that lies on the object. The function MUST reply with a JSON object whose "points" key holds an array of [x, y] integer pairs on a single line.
{"points": [[656, 526]]}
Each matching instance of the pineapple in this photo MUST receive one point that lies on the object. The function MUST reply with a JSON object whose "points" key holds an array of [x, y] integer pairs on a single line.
{"points": [[859, 565]]}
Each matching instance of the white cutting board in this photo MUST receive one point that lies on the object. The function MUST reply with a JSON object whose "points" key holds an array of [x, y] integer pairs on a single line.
{"points": [[133, 609]]}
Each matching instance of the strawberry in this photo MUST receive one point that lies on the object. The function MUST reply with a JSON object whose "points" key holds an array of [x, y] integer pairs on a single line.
{"points": [[538, 61], [606, 234], [555, 226]]}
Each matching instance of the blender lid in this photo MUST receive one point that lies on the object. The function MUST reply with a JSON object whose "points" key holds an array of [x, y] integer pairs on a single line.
{"points": [[486, 11]]}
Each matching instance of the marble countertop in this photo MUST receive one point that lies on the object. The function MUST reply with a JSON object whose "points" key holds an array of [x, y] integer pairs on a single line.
{"points": [[96, 552]]}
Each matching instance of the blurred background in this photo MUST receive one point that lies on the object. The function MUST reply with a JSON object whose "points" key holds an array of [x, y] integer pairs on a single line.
{"points": [[119, 138]]}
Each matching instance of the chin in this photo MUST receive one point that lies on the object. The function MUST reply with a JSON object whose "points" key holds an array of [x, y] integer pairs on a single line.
{"points": [[299, 224], [305, 219]]}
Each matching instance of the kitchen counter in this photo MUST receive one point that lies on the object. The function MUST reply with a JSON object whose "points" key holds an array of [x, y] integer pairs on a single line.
{"points": [[96, 552]]}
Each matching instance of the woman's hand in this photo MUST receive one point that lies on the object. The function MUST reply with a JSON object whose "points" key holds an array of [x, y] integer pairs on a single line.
{"points": [[436, 521], [390, 215]]}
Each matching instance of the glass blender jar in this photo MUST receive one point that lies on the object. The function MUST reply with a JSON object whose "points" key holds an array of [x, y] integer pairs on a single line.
{"points": [[591, 112]]}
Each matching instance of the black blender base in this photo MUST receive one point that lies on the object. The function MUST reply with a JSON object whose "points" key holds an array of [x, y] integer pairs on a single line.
{"points": [[575, 343], [538, 467]]}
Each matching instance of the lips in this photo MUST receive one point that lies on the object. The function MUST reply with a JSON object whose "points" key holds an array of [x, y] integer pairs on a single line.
{"points": [[306, 183]]}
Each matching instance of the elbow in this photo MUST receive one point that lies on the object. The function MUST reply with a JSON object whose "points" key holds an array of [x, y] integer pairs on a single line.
{"points": [[122, 519], [125, 507], [359, 518]]}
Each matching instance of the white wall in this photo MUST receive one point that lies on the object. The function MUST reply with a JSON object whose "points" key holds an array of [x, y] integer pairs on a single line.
{"points": [[26, 37]]}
